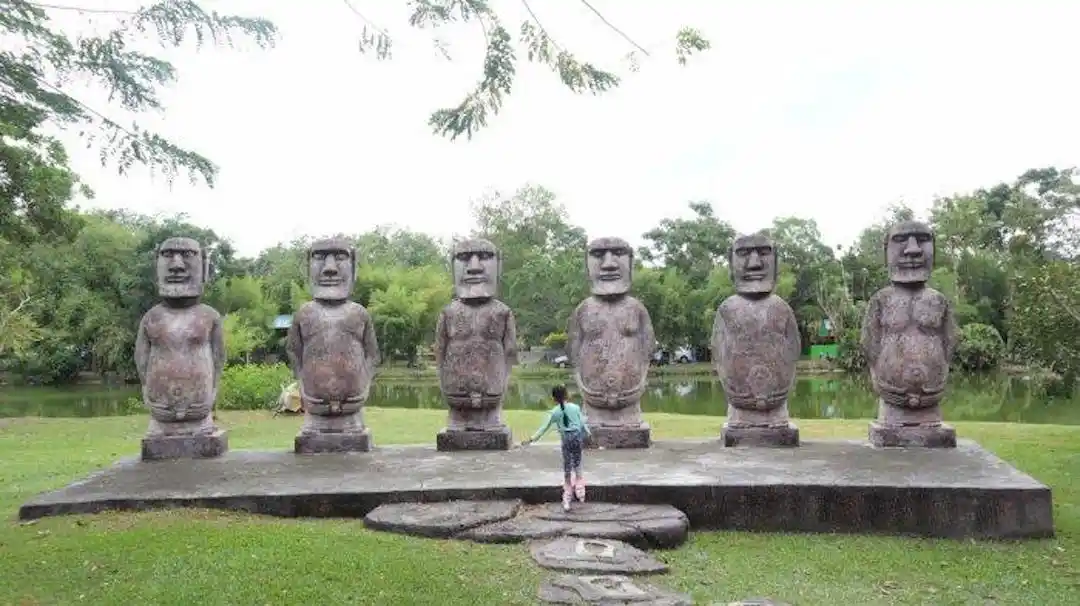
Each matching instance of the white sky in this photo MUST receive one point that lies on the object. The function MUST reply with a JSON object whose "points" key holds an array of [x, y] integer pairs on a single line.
{"points": [[824, 109]]}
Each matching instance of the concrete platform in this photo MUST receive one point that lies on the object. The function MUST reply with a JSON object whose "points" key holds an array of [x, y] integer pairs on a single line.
{"points": [[822, 486]]}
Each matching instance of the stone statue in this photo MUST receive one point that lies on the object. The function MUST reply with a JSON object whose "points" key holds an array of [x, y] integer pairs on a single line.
{"points": [[755, 345], [333, 353], [179, 355], [909, 334], [610, 340], [475, 348]]}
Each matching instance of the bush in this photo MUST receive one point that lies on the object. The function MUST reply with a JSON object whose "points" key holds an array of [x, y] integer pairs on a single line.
{"points": [[252, 386], [555, 340], [980, 349], [850, 356]]}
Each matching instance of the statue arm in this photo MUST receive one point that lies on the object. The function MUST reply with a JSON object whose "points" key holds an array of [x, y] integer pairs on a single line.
{"points": [[371, 343], [573, 337], [441, 338], [717, 344], [952, 330], [217, 347], [294, 346], [510, 340], [142, 350], [870, 339], [794, 339], [647, 333]]}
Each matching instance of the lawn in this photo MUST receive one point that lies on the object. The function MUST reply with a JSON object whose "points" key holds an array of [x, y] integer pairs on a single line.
{"points": [[203, 557]]}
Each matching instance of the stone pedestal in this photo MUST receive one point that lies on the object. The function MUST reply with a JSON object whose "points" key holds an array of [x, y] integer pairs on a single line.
{"points": [[912, 436], [776, 436], [634, 436], [195, 446], [473, 439], [322, 442]]}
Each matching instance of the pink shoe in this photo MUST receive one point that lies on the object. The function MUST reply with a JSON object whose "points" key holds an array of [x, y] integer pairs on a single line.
{"points": [[579, 490]]}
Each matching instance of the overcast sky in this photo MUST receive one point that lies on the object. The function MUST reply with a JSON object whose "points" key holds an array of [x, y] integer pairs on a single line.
{"points": [[823, 109]]}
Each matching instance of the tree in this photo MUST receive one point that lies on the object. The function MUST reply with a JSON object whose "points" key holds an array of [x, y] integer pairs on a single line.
{"points": [[500, 57], [35, 82], [692, 246]]}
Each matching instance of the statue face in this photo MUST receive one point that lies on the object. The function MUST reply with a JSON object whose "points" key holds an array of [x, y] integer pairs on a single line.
{"points": [[331, 269], [610, 263], [753, 265], [909, 252], [181, 268], [476, 270]]}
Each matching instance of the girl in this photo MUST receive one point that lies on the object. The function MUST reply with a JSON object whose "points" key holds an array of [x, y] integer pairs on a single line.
{"points": [[571, 422]]}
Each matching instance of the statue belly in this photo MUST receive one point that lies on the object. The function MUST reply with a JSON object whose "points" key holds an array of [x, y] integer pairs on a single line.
{"points": [[473, 365], [758, 370], [180, 380], [335, 373], [613, 364], [912, 360]]}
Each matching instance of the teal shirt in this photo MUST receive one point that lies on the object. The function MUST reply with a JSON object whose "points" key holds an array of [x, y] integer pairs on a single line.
{"points": [[574, 417]]}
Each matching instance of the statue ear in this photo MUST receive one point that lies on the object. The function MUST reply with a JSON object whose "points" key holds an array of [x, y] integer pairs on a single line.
{"points": [[731, 263], [207, 269], [352, 257]]}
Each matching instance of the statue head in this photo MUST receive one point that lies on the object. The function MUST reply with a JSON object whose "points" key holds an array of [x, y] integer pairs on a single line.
{"points": [[909, 252], [476, 266], [753, 264], [331, 269], [182, 268], [610, 262]]}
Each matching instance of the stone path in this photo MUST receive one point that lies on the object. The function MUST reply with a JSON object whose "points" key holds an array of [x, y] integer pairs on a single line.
{"points": [[599, 543]]}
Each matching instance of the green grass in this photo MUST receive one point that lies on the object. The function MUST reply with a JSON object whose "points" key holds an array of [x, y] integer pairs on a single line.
{"points": [[204, 557]]}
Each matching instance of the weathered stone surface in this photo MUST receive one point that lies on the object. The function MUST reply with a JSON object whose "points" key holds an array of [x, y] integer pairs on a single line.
{"points": [[905, 436], [325, 442], [608, 590], [909, 333], [610, 340], [622, 437], [449, 440], [644, 526], [179, 356], [826, 486], [475, 349], [755, 345], [333, 352], [439, 520], [598, 556], [197, 446], [784, 435]]}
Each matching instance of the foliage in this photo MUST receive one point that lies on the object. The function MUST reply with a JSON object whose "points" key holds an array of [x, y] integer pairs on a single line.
{"points": [[252, 386], [850, 355], [499, 70], [980, 349], [1044, 320], [555, 340]]}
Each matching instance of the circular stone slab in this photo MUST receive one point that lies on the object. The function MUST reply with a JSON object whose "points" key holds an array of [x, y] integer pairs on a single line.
{"points": [[644, 526], [439, 520], [595, 556], [608, 590]]}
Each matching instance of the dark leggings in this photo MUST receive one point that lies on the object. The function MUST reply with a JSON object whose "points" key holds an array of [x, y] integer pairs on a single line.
{"points": [[571, 452]]}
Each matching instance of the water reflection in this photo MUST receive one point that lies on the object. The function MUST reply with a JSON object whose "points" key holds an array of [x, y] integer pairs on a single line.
{"points": [[834, 397]]}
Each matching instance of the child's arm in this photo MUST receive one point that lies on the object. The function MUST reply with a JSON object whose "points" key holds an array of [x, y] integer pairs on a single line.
{"points": [[585, 422], [543, 428]]}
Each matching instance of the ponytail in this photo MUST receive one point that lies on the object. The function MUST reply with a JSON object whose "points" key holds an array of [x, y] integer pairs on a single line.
{"points": [[559, 394]]}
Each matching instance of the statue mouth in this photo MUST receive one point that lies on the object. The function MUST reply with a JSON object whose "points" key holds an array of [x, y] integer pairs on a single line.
{"points": [[474, 280], [911, 265], [177, 279], [331, 282], [609, 277], [753, 276]]}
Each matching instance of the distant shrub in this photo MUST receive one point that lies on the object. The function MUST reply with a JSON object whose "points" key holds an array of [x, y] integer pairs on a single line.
{"points": [[849, 354], [555, 340], [980, 349], [252, 386]]}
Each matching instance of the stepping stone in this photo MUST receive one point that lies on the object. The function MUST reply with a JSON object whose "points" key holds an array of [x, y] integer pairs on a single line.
{"points": [[593, 556], [644, 526], [439, 520], [608, 590]]}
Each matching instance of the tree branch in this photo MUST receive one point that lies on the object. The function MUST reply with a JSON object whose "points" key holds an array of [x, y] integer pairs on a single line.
{"points": [[615, 29], [377, 37]]}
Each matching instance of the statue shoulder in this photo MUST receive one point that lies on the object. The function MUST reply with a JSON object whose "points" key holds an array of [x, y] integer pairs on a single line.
{"points": [[209, 312], [357, 309], [778, 301], [935, 295]]}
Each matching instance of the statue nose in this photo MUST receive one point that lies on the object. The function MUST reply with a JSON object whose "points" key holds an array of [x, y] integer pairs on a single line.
{"points": [[474, 265], [329, 268], [912, 247], [754, 261], [608, 262]]}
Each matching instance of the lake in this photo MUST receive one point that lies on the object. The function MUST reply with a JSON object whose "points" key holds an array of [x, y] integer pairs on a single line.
{"points": [[968, 399]]}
